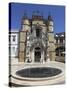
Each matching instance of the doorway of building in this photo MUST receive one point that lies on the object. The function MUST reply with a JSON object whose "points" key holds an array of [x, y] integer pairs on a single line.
{"points": [[37, 54]]}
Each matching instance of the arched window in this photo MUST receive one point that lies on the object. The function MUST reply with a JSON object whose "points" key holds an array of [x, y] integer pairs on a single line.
{"points": [[37, 32], [60, 51]]}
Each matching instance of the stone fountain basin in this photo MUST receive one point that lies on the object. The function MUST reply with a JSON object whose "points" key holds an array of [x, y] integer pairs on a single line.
{"points": [[38, 72]]}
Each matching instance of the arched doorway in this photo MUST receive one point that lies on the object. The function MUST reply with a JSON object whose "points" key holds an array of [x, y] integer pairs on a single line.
{"points": [[37, 54], [60, 51]]}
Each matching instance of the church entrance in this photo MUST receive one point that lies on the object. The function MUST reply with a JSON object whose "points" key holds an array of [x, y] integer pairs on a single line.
{"points": [[37, 54]]}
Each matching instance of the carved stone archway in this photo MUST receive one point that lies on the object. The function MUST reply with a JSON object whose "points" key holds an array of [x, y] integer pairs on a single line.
{"points": [[37, 54]]}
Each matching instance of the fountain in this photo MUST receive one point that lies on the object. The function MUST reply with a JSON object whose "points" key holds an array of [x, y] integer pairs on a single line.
{"points": [[38, 72], [47, 73]]}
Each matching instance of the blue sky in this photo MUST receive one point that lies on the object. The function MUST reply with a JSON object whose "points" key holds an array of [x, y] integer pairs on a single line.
{"points": [[57, 13]]}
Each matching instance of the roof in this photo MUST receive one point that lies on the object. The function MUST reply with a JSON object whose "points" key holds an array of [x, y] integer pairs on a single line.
{"points": [[13, 31], [61, 34]]}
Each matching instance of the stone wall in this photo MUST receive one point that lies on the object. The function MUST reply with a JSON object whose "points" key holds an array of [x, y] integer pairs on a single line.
{"points": [[51, 48], [22, 43]]}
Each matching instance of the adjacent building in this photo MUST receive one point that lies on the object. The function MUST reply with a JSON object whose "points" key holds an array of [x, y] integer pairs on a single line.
{"points": [[60, 46], [13, 43]]}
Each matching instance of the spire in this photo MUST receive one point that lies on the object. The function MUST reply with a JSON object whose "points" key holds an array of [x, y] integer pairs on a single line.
{"points": [[36, 12], [49, 17], [37, 15]]}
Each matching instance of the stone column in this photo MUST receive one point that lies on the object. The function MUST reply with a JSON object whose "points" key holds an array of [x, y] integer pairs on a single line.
{"points": [[58, 41], [42, 57], [63, 41], [32, 56], [52, 55], [48, 58]]}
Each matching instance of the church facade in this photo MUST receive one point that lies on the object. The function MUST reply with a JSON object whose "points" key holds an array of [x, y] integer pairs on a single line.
{"points": [[36, 40]]}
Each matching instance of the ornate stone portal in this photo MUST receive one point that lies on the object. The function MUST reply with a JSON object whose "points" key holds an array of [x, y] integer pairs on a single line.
{"points": [[36, 40]]}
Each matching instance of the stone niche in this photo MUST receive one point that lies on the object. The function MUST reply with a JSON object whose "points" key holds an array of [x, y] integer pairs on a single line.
{"points": [[22, 43]]}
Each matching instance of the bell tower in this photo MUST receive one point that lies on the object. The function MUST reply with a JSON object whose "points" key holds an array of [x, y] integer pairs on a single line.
{"points": [[51, 45], [25, 27]]}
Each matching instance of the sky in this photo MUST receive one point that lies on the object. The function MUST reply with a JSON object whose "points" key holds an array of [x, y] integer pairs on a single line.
{"points": [[17, 10]]}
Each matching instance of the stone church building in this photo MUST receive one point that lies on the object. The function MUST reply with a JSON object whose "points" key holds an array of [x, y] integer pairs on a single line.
{"points": [[36, 40]]}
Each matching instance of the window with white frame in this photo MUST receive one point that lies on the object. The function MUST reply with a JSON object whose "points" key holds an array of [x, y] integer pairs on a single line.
{"points": [[14, 38]]}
